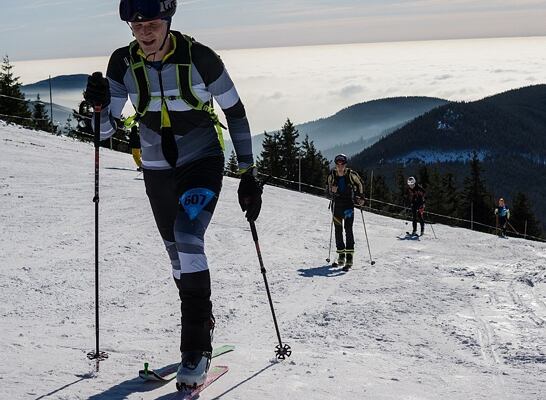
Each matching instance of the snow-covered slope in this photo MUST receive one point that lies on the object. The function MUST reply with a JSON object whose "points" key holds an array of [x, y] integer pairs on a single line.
{"points": [[460, 317]]}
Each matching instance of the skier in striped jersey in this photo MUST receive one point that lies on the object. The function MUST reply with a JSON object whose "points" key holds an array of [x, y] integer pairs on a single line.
{"points": [[171, 80]]}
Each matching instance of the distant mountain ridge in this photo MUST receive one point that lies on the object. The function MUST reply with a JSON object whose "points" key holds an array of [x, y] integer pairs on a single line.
{"points": [[67, 91], [476, 125], [366, 120], [61, 82], [360, 125]]}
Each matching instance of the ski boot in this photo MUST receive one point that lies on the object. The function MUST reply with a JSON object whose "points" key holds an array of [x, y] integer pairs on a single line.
{"points": [[340, 259], [422, 231], [193, 369], [348, 262]]}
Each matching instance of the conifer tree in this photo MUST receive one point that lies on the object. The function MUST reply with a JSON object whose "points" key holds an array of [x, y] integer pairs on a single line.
{"points": [[12, 100], [233, 165], [475, 199], [451, 195], [314, 166], [269, 161], [41, 118], [400, 194], [423, 177], [289, 151], [520, 213], [381, 192], [435, 199]]}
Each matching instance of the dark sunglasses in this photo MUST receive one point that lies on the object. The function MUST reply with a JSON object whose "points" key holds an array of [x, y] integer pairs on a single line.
{"points": [[341, 162]]}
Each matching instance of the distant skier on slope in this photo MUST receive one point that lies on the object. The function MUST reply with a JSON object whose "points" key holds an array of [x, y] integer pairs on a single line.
{"points": [[172, 80], [345, 187], [134, 144], [416, 197], [502, 214]]}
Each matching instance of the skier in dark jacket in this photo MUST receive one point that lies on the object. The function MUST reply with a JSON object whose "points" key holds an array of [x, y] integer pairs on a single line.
{"points": [[134, 144], [171, 80], [345, 188], [502, 214], [416, 197]]}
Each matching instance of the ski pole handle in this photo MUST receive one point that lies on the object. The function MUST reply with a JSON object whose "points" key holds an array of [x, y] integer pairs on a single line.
{"points": [[97, 110]]}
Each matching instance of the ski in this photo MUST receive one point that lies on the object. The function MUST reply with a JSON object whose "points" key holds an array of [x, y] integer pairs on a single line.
{"points": [[193, 393], [168, 373], [123, 169]]}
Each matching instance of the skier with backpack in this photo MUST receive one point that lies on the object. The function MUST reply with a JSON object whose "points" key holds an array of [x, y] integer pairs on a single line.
{"points": [[171, 80], [416, 197], [134, 144], [345, 188], [502, 215]]}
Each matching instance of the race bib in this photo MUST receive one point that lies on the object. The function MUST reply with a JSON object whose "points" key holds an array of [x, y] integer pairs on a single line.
{"points": [[194, 200]]}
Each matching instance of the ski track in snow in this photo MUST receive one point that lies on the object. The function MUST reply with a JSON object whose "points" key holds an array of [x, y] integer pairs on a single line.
{"points": [[461, 317]]}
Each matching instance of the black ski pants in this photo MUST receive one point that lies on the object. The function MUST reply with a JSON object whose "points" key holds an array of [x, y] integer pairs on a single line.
{"points": [[344, 218], [417, 213], [503, 222], [184, 241]]}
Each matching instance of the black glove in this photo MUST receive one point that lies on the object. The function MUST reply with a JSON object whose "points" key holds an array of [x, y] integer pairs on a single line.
{"points": [[360, 200], [98, 90], [250, 195]]}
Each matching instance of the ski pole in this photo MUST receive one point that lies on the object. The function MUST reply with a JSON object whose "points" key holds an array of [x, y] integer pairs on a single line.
{"points": [[372, 262], [406, 215], [514, 229], [97, 355], [431, 227], [331, 226], [282, 351]]}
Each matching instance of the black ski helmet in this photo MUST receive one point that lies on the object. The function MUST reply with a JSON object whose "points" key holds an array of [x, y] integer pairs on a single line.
{"points": [[146, 10], [340, 158]]}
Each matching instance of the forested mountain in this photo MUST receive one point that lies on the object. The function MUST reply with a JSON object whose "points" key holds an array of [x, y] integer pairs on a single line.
{"points": [[507, 131]]}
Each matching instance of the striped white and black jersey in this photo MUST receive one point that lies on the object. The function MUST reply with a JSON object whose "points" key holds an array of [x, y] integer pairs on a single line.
{"points": [[194, 131]]}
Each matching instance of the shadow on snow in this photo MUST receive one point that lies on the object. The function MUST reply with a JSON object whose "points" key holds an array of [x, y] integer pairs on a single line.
{"points": [[325, 270], [82, 377], [123, 390]]}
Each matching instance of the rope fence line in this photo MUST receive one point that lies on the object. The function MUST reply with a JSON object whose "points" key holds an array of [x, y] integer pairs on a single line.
{"points": [[74, 113], [38, 101], [459, 220], [23, 100], [404, 208], [31, 119], [111, 138]]}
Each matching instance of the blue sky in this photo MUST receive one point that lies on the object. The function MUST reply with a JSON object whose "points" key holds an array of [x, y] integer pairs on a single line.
{"points": [[43, 29]]}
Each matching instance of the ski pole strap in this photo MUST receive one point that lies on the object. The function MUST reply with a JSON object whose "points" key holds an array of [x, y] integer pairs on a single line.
{"points": [[97, 110]]}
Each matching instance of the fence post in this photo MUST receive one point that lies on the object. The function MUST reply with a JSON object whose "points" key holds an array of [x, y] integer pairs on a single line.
{"points": [[50, 103], [299, 172], [371, 190], [471, 215]]}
